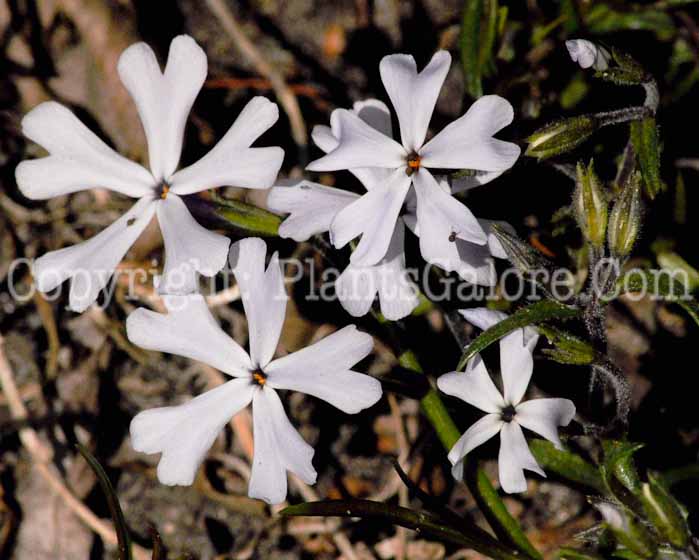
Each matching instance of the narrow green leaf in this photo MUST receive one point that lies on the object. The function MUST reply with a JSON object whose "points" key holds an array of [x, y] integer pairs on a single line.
{"points": [[566, 553], [618, 460], [488, 34], [646, 143], [470, 47], [122, 531], [247, 218], [423, 522], [538, 312], [567, 465], [569, 349], [505, 526]]}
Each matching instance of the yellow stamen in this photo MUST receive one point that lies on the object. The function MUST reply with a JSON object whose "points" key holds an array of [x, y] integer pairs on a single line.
{"points": [[260, 378], [164, 191]]}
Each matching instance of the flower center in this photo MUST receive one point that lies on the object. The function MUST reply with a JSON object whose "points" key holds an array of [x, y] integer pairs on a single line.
{"points": [[259, 377], [413, 162], [162, 190], [452, 237], [508, 413]]}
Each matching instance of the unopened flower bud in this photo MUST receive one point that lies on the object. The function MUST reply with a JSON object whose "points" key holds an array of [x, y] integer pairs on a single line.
{"points": [[561, 136], [590, 204], [625, 218], [664, 513], [587, 54], [628, 530]]}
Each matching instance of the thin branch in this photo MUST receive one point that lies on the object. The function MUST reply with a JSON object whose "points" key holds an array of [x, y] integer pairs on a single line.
{"points": [[41, 455], [286, 96]]}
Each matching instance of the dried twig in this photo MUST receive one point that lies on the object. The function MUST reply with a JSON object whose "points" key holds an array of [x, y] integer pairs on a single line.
{"points": [[41, 455], [286, 96]]}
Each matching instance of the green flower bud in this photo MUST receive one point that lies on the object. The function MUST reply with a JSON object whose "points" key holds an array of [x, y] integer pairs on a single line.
{"points": [[628, 530], [625, 218], [561, 136], [590, 204], [664, 513]]}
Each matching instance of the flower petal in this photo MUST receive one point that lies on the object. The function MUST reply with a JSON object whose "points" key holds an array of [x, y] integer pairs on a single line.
{"points": [[324, 138], [513, 458], [373, 216], [374, 113], [398, 295], [164, 99], [356, 289], [414, 95], [467, 143], [232, 161], [190, 330], [189, 247], [440, 217], [360, 146], [357, 286], [323, 370], [473, 386], [494, 246], [482, 317], [278, 448], [516, 365], [464, 184], [583, 52], [543, 416], [185, 433], [311, 208], [91, 264], [79, 160], [476, 435], [264, 296]]}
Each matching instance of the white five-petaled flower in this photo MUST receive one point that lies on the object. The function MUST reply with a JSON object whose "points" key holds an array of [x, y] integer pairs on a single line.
{"points": [[506, 413], [588, 55], [312, 208], [184, 433], [466, 143], [78, 159]]}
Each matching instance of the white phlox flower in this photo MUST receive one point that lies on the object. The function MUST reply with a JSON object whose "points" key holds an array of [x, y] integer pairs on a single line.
{"points": [[184, 433], [506, 413], [78, 159], [588, 55], [467, 143], [312, 208]]}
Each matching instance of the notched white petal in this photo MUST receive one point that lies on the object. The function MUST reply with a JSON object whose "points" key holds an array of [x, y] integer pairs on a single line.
{"points": [[360, 145], [91, 264], [188, 329], [164, 99], [374, 216], [185, 433], [78, 158], [263, 294], [476, 435], [324, 371], [514, 458], [311, 208], [278, 448], [232, 162], [473, 386], [189, 248], [544, 416], [414, 94], [468, 143]]}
